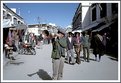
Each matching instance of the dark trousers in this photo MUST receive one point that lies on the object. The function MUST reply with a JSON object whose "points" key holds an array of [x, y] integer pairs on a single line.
{"points": [[78, 50], [86, 52]]}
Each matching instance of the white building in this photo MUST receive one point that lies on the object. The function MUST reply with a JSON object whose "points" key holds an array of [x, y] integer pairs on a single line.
{"points": [[38, 28], [68, 29], [11, 18]]}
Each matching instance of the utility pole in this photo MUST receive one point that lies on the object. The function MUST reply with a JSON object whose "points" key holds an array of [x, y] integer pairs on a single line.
{"points": [[38, 19], [40, 25]]}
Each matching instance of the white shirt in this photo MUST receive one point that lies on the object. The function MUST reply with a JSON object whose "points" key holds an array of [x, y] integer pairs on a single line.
{"points": [[100, 37], [70, 38]]}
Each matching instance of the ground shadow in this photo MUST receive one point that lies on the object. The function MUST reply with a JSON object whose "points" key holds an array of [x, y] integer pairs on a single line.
{"points": [[16, 63], [92, 59], [81, 58], [42, 74], [114, 59]]}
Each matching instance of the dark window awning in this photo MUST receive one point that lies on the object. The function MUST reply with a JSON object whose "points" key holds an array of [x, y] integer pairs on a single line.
{"points": [[89, 26], [103, 27], [79, 28], [99, 25], [93, 26]]}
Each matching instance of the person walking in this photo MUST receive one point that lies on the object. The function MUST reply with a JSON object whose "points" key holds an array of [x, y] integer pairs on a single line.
{"points": [[59, 44], [86, 45], [70, 50], [77, 46], [98, 47]]}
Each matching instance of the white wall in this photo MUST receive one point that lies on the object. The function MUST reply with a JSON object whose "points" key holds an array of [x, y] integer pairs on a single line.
{"points": [[33, 30], [8, 23], [85, 14]]}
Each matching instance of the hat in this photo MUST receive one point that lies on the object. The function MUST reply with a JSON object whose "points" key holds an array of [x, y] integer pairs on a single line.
{"points": [[60, 30]]}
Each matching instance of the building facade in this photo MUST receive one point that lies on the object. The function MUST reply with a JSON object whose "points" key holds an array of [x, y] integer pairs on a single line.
{"points": [[89, 16], [12, 22], [97, 16], [77, 19], [101, 17], [38, 28], [11, 18]]}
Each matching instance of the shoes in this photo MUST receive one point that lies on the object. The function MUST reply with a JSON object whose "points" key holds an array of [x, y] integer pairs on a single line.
{"points": [[88, 61], [13, 58], [72, 63], [95, 59], [59, 78], [8, 57], [67, 61], [99, 60], [78, 62]]}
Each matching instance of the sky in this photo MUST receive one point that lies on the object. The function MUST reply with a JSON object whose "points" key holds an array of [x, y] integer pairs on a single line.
{"points": [[60, 14]]}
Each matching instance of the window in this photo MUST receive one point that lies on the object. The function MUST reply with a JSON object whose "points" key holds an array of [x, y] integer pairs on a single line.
{"points": [[19, 22], [103, 10], [94, 14], [15, 21]]}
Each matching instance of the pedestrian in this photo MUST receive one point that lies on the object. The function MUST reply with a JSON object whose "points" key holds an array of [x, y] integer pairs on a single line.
{"points": [[105, 41], [58, 54], [86, 45], [77, 46], [9, 49], [70, 50], [45, 35], [98, 47], [17, 40], [32, 40]]}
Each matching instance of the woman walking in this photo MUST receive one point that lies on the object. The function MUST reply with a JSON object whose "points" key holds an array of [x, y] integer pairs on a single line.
{"points": [[98, 47]]}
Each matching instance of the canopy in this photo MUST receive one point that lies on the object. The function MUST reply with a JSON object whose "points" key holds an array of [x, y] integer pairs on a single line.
{"points": [[103, 27]]}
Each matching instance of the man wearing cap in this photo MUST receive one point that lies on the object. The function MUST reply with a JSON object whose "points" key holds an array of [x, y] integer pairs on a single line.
{"points": [[58, 54]]}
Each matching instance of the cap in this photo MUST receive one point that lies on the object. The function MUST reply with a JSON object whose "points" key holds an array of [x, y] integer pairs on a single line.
{"points": [[60, 30]]}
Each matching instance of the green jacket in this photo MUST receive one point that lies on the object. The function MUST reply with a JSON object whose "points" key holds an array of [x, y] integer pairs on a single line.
{"points": [[85, 41], [58, 48]]}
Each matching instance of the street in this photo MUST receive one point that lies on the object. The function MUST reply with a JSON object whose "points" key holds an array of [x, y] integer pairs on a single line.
{"points": [[39, 67]]}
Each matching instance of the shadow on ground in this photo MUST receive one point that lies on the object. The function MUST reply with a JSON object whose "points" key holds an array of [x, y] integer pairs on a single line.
{"points": [[81, 58], [42, 74], [114, 59]]}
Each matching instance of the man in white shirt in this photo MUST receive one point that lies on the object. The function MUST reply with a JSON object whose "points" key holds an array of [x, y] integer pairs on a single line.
{"points": [[70, 50]]}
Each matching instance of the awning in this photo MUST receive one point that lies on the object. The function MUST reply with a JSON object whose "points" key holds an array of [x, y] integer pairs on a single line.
{"points": [[90, 26], [18, 26], [103, 27], [21, 26], [77, 30], [94, 26]]}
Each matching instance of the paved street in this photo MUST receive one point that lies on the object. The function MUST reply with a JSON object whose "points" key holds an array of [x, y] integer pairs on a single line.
{"points": [[39, 67]]}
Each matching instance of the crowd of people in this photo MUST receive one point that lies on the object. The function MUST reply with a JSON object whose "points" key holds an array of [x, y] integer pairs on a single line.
{"points": [[74, 43], [11, 43], [15, 41], [61, 43]]}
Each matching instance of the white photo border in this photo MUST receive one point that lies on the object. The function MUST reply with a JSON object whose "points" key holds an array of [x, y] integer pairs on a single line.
{"points": [[61, 80]]}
